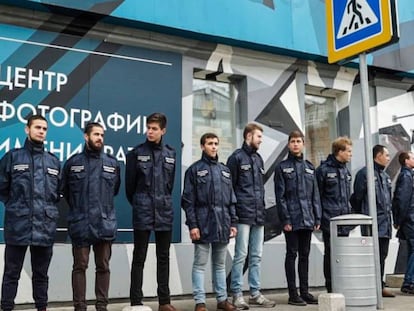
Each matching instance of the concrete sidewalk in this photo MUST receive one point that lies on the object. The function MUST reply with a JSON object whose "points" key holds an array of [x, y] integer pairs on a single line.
{"points": [[401, 302]]}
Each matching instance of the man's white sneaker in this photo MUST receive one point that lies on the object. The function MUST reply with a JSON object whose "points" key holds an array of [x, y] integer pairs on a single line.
{"points": [[239, 303], [261, 301]]}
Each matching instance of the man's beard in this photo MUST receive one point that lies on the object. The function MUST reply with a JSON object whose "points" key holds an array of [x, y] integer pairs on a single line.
{"points": [[94, 147]]}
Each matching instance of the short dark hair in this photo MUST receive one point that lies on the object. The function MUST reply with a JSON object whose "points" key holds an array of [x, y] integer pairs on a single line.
{"points": [[405, 155], [35, 117], [296, 134], [90, 125], [159, 118], [206, 136], [340, 144], [377, 149], [250, 128]]}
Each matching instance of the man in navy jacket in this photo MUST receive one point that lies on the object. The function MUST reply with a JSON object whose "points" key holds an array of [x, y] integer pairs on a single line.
{"points": [[247, 170], [29, 189], [208, 201], [149, 181], [90, 182], [299, 209], [383, 202], [334, 181], [403, 213]]}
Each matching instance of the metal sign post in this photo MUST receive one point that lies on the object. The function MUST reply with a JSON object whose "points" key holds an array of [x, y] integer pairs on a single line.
{"points": [[353, 28], [363, 72]]}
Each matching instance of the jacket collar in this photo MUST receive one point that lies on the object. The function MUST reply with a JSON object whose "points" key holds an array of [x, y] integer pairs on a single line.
{"points": [[248, 149], [33, 147], [208, 159]]}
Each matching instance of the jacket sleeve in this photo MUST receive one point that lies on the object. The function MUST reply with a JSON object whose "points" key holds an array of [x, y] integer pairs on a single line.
{"points": [[117, 179], [320, 180], [281, 203], [5, 177], [63, 187], [316, 202], [360, 191], [402, 198], [188, 199], [130, 176], [232, 209], [233, 166]]}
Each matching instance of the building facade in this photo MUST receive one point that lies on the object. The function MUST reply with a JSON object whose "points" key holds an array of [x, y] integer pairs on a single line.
{"points": [[210, 66]]}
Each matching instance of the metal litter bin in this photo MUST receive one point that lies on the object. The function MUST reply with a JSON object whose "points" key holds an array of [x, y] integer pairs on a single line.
{"points": [[353, 263]]}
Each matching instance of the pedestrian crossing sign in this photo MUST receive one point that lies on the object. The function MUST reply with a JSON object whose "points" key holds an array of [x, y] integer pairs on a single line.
{"points": [[357, 26]]}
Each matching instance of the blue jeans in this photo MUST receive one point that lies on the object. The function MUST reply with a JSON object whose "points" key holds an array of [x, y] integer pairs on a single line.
{"points": [[409, 273], [249, 240], [218, 257]]}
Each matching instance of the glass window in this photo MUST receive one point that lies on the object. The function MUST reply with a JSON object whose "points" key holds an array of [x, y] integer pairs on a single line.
{"points": [[320, 127], [214, 111]]}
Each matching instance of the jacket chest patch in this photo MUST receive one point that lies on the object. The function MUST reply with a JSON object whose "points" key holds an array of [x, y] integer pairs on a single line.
{"points": [[21, 167], [144, 158], [245, 167], [52, 171], [331, 175], [77, 168], [109, 169], [202, 173], [288, 170], [225, 174], [309, 171], [169, 160]]}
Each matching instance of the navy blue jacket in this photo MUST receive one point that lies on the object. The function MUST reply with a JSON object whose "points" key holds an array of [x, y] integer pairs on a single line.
{"points": [[403, 203], [90, 182], [208, 200], [334, 181], [247, 170], [383, 198], [149, 181], [297, 194], [29, 188]]}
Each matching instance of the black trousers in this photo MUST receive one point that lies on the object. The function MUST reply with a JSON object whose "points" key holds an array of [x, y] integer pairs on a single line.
{"points": [[297, 242], [327, 260], [13, 263], [162, 241], [383, 253]]}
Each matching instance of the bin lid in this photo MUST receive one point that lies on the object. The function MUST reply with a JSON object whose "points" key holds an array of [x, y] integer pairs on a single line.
{"points": [[353, 218]]}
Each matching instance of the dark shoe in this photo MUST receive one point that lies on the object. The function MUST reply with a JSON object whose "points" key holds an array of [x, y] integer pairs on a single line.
{"points": [[408, 289], [387, 293], [226, 306], [167, 307], [200, 307], [296, 301], [309, 299]]}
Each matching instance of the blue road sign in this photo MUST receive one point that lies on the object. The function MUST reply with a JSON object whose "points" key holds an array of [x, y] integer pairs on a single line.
{"points": [[355, 26]]}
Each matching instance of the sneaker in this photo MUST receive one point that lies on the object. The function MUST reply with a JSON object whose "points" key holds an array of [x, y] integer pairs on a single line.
{"points": [[239, 303], [309, 299], [296, 301], [261, 301], [408, 289]]}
